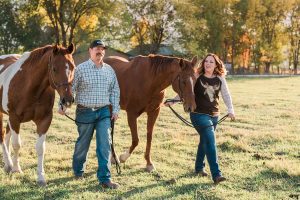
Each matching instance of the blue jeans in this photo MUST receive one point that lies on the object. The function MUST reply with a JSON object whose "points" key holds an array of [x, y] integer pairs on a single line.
{"points": [[207, 145], [103, 141]]}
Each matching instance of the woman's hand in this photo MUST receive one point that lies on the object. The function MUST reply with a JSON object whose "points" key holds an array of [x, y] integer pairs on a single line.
{"points": [[172, 101], [231, 116]]}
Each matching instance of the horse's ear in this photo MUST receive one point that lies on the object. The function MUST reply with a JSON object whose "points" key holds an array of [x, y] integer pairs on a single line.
{"points": [[71, 48], [194, 60], [55, 49]]}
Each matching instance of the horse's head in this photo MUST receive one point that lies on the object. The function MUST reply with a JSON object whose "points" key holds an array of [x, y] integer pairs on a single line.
{"points": [[61, 72], [184, 82]]}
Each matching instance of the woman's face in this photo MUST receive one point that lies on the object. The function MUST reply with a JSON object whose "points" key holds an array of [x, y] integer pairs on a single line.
{"points": [[209, 64]]}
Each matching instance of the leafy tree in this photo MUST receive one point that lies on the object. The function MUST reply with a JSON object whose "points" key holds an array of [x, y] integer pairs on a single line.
{"points": [[265, 19], [9, 27], [153, 22], [193, 28], [65, 15], [293, 28]]}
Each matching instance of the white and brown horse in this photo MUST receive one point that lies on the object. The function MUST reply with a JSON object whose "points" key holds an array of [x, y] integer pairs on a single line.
{"points": [[27, 92]]}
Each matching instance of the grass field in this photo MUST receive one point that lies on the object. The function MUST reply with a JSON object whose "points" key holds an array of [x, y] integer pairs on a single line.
{"points": [[259, 153]]}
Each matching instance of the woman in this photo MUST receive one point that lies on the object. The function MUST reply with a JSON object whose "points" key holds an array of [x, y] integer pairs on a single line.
{"points": [[210, 82]]}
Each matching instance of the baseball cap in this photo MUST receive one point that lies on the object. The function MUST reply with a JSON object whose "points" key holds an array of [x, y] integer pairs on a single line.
{"points": [[97, 43]]}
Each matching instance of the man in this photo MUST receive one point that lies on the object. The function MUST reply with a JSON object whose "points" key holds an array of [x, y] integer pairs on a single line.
{"points": [[96, 87]]}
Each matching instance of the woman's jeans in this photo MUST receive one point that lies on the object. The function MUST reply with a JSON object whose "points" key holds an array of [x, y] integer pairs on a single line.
{"points": [[102, 125], [207, 146]]}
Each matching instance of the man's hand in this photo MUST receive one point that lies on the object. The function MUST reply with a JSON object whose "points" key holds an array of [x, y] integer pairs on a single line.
{"points": [[62, 110], [231, 116], [114, 117], [170, 103]]}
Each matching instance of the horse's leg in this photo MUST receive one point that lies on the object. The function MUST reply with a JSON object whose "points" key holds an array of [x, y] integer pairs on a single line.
{"points": [[152, 116], [6, 156], [14, 127], [40, 150], [7, 138], [42, 128], [131, 118]]}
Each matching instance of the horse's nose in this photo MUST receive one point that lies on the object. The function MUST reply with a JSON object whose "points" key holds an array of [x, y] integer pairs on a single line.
{"points": [[67, 101]]}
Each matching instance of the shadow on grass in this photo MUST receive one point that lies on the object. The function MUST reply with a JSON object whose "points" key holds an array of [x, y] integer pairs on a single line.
{"points": [[59, 188], [198, 190], [269, 178], [66, 187]]}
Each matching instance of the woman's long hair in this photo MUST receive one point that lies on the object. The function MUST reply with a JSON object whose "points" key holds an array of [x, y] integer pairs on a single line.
{"points": [[220, 69]]}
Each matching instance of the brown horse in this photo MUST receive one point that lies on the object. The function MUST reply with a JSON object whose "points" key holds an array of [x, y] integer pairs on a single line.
{"points": [[143, 81], [27, 92]]}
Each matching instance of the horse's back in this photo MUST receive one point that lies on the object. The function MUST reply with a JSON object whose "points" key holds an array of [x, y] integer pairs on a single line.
{"points": [[116, 58], [7, 60]]}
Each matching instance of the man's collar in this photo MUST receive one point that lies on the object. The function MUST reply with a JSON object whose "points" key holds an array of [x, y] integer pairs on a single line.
{"points": [[93, 64]]}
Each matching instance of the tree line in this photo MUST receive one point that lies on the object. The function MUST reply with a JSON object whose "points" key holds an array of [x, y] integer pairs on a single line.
{"points": [[251, 36]]}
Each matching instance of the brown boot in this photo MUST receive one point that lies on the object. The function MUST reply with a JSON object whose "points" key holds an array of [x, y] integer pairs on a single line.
{"points": [[201, 173], [219, 179], [110, 185]]}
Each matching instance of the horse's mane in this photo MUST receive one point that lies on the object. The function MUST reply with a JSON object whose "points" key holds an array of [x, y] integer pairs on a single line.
{"points": [[160, 63], [36, 54]]}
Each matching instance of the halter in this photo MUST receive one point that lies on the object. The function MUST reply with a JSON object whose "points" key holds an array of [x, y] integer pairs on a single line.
{"points": [[56, 85], [179, 87]]}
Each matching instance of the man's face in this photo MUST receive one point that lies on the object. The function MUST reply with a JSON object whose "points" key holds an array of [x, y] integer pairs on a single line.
{"points": [[97, 53]]}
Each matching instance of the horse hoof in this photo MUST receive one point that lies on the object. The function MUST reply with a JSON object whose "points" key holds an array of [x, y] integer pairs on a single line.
{"points": [[123, 157], [17, 171], [114, 161], [150, 168], [7, 168], [42, 183]]}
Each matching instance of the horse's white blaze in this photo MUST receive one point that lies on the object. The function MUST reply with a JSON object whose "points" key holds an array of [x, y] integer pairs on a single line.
{"points": [[192, 84], [6, 77], [16, 144], [9, 55], [67, 70], [40, 150]]}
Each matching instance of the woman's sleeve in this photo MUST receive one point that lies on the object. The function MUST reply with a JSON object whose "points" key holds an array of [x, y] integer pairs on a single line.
{"points": [[226, 95]]}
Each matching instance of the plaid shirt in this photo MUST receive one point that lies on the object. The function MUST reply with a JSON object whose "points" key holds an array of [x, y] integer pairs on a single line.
{"points": [[96, 87]]}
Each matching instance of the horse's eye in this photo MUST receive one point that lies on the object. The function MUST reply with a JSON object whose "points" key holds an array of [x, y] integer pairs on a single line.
{"points": [[54, 69]]}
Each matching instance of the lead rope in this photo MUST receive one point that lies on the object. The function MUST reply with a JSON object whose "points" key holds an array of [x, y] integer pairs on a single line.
{"points": [[188, 123]]}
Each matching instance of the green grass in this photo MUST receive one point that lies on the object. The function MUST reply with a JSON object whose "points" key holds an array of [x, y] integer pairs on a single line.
{"points": [[259, 153]]}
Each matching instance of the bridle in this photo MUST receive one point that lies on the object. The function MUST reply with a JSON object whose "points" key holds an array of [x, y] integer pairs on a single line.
{"points": [[179, 87], [56, 85]]}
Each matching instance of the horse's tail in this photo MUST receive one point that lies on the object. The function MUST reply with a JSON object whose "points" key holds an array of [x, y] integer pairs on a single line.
{"points": [[2, 132]]}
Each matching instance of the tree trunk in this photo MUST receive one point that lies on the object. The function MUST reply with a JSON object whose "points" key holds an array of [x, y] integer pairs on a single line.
{"points": [[268, 65], [57, 34], [64, 37]]}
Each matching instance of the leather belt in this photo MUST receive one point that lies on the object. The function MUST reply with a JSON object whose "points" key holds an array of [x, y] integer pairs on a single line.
{"points": [[93, 108]]}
